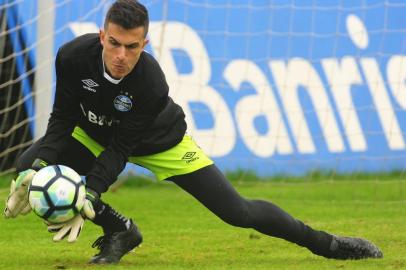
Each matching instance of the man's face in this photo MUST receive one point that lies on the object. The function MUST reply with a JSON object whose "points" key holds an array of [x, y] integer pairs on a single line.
{"points": [[121, 48]]}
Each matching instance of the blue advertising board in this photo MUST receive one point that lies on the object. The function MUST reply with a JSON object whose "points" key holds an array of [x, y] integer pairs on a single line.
{"points": [[278, 87]]}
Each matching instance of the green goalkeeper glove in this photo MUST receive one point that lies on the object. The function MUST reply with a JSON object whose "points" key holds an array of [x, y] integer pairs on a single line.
{"points": [[73, 227], [17, 201]]}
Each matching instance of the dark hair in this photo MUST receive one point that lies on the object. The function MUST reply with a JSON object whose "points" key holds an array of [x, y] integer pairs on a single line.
{"points": [[128, 14]]}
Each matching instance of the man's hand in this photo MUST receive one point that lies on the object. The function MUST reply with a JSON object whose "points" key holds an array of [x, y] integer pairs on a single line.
{"points": [[17, 201], [73, 227]]}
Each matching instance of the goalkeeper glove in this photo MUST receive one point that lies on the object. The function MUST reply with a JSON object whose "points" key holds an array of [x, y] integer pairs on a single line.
{"points": [[17, 201], [73, 227]]}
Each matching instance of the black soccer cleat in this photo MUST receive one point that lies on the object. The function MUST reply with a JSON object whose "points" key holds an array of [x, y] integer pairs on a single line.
{"points": [[345, 248], [113, 246]]}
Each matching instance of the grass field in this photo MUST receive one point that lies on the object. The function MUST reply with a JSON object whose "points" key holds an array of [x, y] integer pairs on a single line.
{"points": [[180, 234]]}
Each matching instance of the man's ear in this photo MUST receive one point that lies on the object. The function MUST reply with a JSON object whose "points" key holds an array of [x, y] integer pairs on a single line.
{"points": [[146, 41], [102, 34]]}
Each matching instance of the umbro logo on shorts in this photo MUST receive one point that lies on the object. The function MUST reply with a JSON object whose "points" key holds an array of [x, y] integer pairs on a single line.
{"points": [[190, 157]]}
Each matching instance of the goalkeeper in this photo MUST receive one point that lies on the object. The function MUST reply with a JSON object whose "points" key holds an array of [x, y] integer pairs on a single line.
{"points": [[111, 107]]}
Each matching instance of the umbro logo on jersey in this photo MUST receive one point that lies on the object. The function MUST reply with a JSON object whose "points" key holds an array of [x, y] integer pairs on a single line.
{"points": [[89, 84], [190, 157]]}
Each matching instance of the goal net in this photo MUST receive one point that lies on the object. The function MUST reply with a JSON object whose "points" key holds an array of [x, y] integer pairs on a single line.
{"points": [[274, 87]]}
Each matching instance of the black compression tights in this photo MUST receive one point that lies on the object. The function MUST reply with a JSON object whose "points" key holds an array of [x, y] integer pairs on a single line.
{"points": [[213, 190], [209, 186]]}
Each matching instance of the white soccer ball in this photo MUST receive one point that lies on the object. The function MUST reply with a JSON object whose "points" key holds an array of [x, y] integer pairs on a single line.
{"points": [[56, 193]]}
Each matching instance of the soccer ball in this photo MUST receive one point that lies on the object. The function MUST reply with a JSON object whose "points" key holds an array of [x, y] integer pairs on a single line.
{"points": [[56, 193]]}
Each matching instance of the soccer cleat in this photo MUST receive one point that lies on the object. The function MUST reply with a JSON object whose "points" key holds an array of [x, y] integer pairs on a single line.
{"points": [[113, 246], [345, 248]]}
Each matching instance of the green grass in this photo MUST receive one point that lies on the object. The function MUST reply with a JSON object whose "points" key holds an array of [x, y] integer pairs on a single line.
{"points": [[181, 234]]}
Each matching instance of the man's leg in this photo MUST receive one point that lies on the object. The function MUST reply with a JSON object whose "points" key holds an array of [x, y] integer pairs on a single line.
{"points": [[209, 186], [76, 157], [120, 233]]}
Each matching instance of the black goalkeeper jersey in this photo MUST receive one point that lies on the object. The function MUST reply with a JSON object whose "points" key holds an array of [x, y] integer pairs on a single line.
{"points": [[134, 116]]}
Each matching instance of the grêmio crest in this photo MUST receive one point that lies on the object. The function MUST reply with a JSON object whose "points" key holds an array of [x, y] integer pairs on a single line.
{"points": [[123, 103]]}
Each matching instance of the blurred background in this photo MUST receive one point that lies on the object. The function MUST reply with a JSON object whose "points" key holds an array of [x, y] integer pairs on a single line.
{"points": [[270, 87]]}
